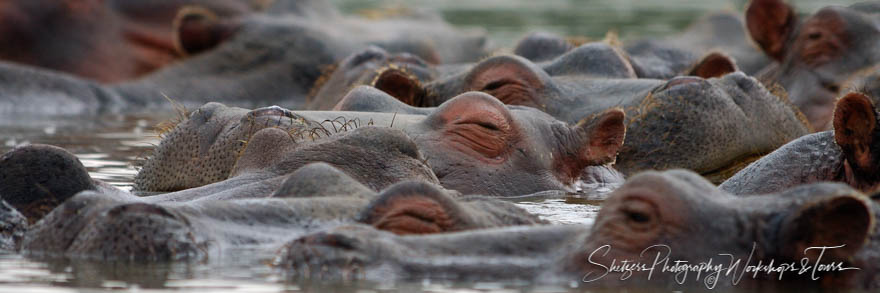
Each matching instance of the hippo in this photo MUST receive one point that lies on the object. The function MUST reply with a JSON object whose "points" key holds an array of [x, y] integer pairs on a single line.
{"points": [[657, 220], [115, 41], [112, 227], [473, 143], [239, 60], [845, 154], [815, 56], [659, 113], [542, 46], [108, 41], [36, 178], [365, 67]]}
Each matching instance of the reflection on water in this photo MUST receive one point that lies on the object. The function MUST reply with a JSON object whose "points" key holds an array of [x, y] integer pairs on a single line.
{"points": [[109, 146]]}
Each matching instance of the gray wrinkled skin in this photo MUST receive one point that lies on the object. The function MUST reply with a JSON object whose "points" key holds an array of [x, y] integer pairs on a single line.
{"points": [[541, 144], [809, 159], [254, 66], [717, 125], [814, 76], [364, 68], [123, 227], [676, 208], [271, 154]]}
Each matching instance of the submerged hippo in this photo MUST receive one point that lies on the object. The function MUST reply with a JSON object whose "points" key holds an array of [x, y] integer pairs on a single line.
{"points": [[117, 40], [473, 143], [816, 55], [715, 125], [35, 179], [252, 60], [108, 41], [655, 220], [316, 196], [848, 154], [365, 67]]}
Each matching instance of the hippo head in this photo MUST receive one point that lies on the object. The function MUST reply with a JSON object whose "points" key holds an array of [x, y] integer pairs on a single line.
{"points": [[203, 148], [34, 179], [368, 67], [816, 55], [103, 40], [414, 207], [98, 225], [477, 145], [735, 102], [679, 215], [856, 131], [219, 142]]}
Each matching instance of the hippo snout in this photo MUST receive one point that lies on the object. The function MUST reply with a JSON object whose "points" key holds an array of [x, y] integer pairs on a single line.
{"points": [[138, 231]]}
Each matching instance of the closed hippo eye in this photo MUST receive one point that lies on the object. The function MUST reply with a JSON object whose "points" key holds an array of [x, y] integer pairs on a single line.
{"points": [[511, 93], [477, 125], [414, 208], [513, 80], [486, 137]]}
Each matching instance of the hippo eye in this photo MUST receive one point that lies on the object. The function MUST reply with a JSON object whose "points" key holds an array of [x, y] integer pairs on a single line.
{"points": [[488, 125], [833, 88], [814, 35], [494, 85], [482, 135], [639, 214], [638, 217]]}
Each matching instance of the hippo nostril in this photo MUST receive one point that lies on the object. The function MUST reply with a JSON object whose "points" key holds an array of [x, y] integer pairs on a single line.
{"points": [[679, 81]]}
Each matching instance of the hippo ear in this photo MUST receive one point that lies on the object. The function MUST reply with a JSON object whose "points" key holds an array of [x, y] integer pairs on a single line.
{"points": [[598, 139], [512, 79], [400, 84], [855, 120], [197, 29], [841, 220], [770, 24], [414, 208], [715, 64], [605, 134]]}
